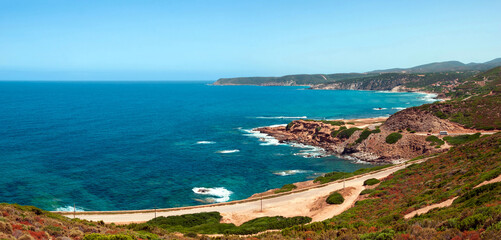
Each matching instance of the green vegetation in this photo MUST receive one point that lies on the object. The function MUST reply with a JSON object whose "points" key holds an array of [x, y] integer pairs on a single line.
{"points": [[475, 214], [288, 127], [97, 236], [334, 133], [367, 191], [475, 102], [209, 223], [366, 133], [286, 188], [371, 181], [333, 176], [393, 138], [335, 198], [346, 133], [333, 123], [435, 141], [457, 140]]}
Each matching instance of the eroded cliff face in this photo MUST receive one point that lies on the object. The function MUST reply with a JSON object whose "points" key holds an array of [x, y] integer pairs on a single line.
{"points": [[420, 121], [372, 149]]}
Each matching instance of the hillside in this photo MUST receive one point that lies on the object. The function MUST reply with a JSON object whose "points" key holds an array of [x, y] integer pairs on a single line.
{"points": [[429, 77], [379, 213], [475, 104]]}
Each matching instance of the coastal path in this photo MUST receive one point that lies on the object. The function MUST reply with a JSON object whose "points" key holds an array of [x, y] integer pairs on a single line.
{"points": [[298, 202]]}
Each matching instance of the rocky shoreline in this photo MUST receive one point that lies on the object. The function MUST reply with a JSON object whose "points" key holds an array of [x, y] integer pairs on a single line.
{"points": [[365, 139]]}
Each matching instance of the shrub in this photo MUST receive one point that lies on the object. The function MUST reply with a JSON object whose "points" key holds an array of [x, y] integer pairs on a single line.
{"points": [[457, 140], [367, 191], [393, 138], [371, 181], [335, 198], [286, 188], [97, 236], [334, 133], [435, 141], [289, 126], [209, 223], [347, 132]]}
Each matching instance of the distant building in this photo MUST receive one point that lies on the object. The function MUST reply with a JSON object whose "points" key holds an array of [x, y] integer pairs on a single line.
{"points": [[443, 132]]}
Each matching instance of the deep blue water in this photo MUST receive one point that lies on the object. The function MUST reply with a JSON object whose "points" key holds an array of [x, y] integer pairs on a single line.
{"points": [[130, 145]]}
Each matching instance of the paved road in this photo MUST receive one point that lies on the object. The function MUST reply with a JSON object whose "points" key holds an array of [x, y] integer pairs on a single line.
{"points": [[236, 207]]}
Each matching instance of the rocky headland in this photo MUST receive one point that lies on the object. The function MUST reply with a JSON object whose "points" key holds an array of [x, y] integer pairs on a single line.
{"points": [[367, 139]]}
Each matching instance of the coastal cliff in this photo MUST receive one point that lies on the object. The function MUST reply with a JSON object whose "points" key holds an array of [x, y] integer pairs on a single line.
{"points": [[369, 140]]}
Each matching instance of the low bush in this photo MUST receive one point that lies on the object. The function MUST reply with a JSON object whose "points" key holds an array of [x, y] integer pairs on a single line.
{"points": [[435, 141], [393, 138], [334, 133], [208, 223], [333, 176], [366, 133], [286, 188], [335, 198], [347, 133], [367, 191], [371, 181], [97, 236], [457, 140]]}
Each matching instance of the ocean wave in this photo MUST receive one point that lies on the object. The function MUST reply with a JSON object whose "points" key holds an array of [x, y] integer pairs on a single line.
{"points": [[265, 138], [205, 142], [379, 109], [229, 151], [220, 194], [289, 172], [398, 108], [283, 117], [429, 97], [309, 151], [69, 209]]}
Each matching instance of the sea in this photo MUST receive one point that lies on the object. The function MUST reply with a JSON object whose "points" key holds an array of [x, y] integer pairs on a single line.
{"points": [[144, 145]]}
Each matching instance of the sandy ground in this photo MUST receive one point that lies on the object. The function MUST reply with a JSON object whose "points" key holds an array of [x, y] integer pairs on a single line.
{"points": [[446, 203], [297, 203], [428, 208]]}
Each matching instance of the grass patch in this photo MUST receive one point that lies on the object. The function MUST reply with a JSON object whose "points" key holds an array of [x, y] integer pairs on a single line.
{"points": [[371, 181], [333, 176], [393, 138], [346, 133], [209, 223], [435, 141], [458, 140], [286, 188], [366, 133], [335, 198]]}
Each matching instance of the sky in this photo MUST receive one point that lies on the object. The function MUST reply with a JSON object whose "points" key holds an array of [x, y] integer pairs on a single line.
{"points": [[207, 40]]}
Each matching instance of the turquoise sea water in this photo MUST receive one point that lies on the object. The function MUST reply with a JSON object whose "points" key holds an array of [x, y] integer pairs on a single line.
{"points": [[131, 145]]}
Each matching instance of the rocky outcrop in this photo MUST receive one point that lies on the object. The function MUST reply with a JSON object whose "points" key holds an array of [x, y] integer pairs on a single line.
{"points": [[373, 149], [419, 120]]}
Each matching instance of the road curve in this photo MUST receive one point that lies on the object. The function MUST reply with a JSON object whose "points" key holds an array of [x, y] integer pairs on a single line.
{"points": [[279, 203]]}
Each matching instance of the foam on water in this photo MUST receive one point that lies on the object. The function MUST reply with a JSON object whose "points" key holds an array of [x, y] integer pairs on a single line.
{"points": [[229, 151], [309, 151], [205, 142], [289, 172], [379, 109], [265, 138], [220, 194], [69, 209], [283, 117], [398, 108], [429, 97]]}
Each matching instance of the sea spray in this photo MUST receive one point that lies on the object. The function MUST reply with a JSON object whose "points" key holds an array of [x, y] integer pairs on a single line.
{"points": [[220, 194]]}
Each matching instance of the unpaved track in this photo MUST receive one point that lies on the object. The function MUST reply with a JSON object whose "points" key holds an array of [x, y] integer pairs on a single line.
{"points": [[297, 203]]}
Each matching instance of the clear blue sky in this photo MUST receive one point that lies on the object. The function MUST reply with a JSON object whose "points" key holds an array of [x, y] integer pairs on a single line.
{"points": [[205, 40]]}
